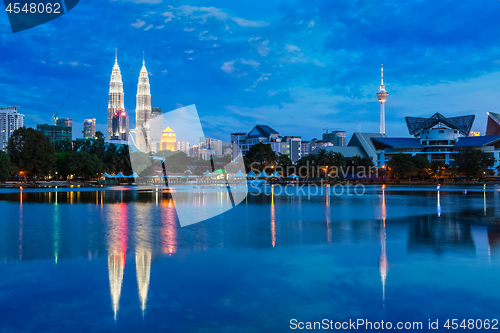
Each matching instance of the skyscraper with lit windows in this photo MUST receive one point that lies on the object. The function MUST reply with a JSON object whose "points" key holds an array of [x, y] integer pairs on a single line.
{"points": [[115, 97]]}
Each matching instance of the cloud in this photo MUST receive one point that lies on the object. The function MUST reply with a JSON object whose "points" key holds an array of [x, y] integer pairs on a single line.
{"points": [[148, 27], [246, 23], [74, 63], [189, 52], [228, 67], [250, 62], [203, 36], [261, 47], [138, 23], [151, 2], [160, 27], [164, 71], [169, 16], [188, 29], [291, 48], [311, 24]]}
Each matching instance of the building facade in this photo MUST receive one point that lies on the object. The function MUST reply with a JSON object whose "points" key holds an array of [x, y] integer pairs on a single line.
{"points": [[183, 145], [143, 108], [68, 122], [10, 120], [115, 97], [241, 142], [168, 140], [89, 128], [56, 132], [120, 127], [336, 138], [438, 138]]}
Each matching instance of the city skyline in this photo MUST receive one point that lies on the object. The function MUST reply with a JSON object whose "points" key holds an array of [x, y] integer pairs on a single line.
{"points": [[242, 66]]}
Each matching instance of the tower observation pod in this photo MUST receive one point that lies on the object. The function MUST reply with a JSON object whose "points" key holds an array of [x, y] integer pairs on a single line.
{"points": [[382, 97]]}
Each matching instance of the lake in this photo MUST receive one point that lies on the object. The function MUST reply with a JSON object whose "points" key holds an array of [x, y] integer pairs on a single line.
{"points": [[117, 259]]}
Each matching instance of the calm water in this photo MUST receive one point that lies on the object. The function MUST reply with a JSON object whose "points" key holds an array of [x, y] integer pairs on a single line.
{"points": [[78, 260]]}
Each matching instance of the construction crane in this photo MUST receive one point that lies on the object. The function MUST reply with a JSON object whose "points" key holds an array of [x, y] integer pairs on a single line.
{"points": [[55, 116]]}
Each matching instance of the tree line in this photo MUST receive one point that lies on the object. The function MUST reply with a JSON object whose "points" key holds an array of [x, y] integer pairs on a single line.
{"points": [[31, 155], [468, 163]]}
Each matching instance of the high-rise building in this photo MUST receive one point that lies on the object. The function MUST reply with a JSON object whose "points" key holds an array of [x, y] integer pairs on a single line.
{"points": [[293, 147], [382, 97], [56, 132], [119, 126], [155, 111], [115, 97], [68, 122], [143, 105], [10, 120], [89, 128], [183, 145], [337, 138], [213, 147], [168, 140]]}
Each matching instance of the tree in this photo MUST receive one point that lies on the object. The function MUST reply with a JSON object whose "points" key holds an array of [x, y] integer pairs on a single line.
{"points": [[261, 154], [31, 151], [83, 165], [5, 166], [401, 166], [473, 163], [284, 162], [422, 166]]}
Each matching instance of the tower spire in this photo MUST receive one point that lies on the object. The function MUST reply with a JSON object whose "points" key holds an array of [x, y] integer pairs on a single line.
{"points": [[382, 75], [116, 55], [143, 60], [382, 97]]}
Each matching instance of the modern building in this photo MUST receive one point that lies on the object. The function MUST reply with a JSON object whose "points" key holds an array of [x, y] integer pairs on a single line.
{"points": [[237, 141], [337, 138], [438, 138], [293, 147], [155, 111], [56, 132], [89, 128], [183, 145], [68, 122], [493, 124], [143, 108], [360, 145], [209, 147], [305, 148], [265, 134], [10, 120], [194, 151], [115, 97], [168, 140], [120, 127], [382, 97]]}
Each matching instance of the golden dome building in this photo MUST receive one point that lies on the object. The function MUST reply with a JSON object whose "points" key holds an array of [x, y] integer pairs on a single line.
{"points": [[168, 140]]}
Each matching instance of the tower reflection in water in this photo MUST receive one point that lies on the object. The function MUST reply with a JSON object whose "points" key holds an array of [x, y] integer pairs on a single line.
{"points": [[117, 248], [383, 257], [143, 231]]}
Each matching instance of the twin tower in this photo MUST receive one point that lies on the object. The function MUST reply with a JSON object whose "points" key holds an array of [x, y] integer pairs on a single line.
{"points": [[118, 126]]}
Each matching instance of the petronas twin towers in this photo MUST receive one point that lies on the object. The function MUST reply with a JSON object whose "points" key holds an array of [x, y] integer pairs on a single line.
{"points": [[118, 128]]}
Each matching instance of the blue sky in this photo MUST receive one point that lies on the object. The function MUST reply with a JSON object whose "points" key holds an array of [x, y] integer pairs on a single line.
{"points": [[297, 66]]}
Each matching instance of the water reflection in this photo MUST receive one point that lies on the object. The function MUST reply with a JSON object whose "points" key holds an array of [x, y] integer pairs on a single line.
{"points": [[117, 247], [383, 265], [273, 220], [143, 232], [147, 224]]}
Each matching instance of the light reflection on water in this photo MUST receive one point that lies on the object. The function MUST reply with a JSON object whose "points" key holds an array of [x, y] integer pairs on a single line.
{"points": [[268, 249]]}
